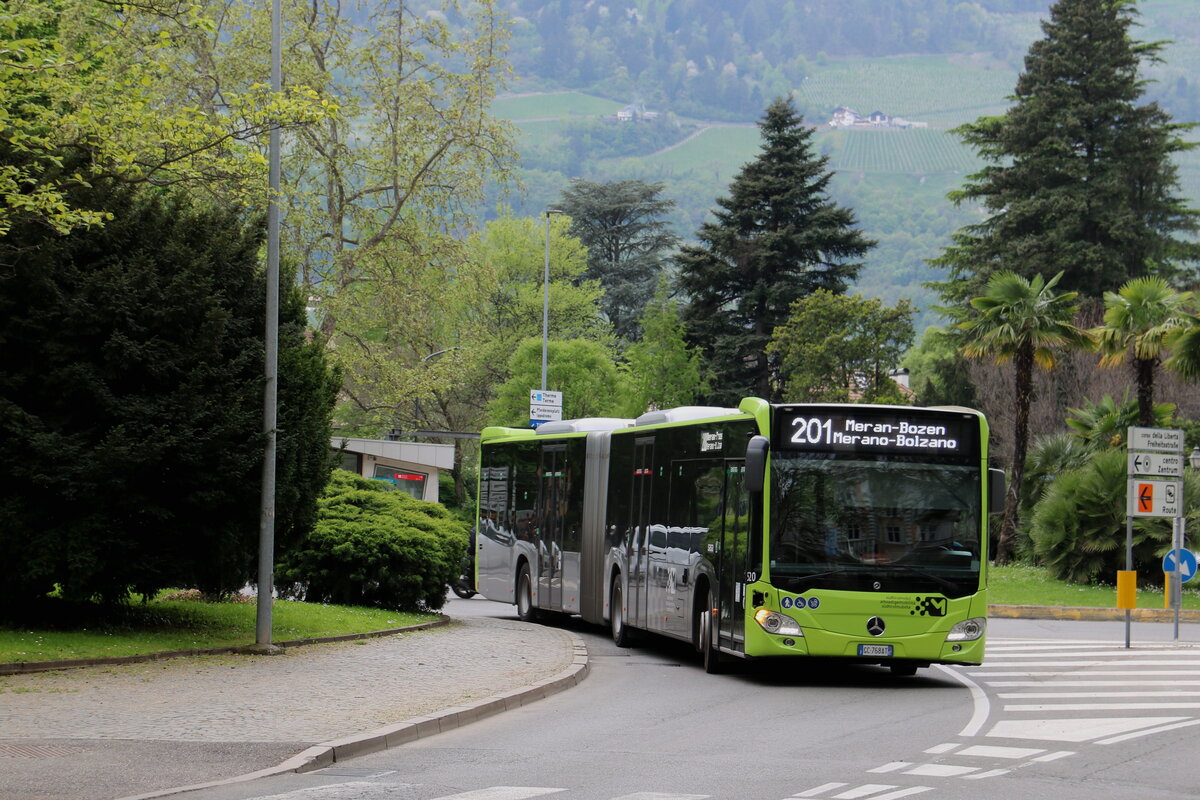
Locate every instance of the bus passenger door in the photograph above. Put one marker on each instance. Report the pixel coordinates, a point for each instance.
(550, 542)
(735, 558)
(640, 496)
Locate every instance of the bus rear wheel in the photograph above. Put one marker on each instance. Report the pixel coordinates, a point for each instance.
(525, 610)
(621, 635)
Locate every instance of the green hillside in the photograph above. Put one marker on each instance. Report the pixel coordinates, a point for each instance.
(895, 179)
(942, 91)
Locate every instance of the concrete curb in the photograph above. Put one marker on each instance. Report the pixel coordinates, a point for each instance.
(1091, 614)
(327, 753)
(24, 667)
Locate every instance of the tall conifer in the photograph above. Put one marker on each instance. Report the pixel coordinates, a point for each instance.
(777, 237)
(1081, 179)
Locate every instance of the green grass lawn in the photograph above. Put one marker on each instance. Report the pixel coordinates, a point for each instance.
(188, 624)
(1018, 585)
(178, 624)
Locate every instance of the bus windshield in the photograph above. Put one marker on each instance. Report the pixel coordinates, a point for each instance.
(889, 525)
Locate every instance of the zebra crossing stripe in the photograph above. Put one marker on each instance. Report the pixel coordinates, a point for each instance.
(1075, 729)
(502, 793)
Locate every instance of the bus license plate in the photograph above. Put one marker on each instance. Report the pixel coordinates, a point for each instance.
(875, 650)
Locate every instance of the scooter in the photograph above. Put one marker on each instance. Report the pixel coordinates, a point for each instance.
(464, 584)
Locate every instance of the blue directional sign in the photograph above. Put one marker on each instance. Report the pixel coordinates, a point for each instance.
(1186, 560)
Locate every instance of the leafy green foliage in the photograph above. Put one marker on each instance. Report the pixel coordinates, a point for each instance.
(131, 402)
(1026, 322)
(1078, 529)
(663, 371)
(104, 81)
(937, 371)
(584, 371)
(1140, 322)
(377, 547)
(837, 349)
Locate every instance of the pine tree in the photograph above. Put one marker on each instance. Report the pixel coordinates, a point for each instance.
(1081, 178)
(777, 237)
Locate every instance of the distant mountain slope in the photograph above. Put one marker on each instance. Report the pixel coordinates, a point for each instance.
(896, 180)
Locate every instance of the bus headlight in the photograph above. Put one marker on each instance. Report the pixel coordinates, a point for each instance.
(968, 630)
(774, 622)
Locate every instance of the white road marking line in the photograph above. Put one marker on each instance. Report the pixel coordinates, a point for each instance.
(979, 699)
(941, 770)
(1127, 736)
(661, 796)
(995, 751)
(817, 791)
(1097, 672)
(991, 773)
(1074, 684)
(1068, 695)
(896, 795)
(1074, 729)
(1092, 653)
(1055, 756)
(1040, 707)
(989, 665)
(502, 793)
(943, 748)
(892, 766)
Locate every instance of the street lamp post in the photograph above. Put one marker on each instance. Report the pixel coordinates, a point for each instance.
(546, 297)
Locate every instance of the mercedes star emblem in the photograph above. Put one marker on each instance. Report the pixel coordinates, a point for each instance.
(876, 626)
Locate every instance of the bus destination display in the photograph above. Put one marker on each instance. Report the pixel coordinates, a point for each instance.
(873, 431)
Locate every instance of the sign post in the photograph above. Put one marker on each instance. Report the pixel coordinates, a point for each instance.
(1154, 489)
(544, 406)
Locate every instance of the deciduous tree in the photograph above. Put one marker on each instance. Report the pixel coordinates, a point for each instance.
(839, 348)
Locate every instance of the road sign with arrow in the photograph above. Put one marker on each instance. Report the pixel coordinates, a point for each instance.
(1155, 498)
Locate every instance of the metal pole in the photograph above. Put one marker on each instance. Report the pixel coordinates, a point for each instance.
(1128, 566)
(1177, 581)
(546, 298)
(266, 530)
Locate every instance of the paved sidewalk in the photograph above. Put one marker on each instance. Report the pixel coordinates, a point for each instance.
(117, 731)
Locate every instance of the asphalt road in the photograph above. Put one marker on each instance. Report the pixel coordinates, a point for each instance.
(1060, 710)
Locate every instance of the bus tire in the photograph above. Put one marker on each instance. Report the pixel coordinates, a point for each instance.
(714, 662)
(525, 610)
(903, 670)
(622, 636)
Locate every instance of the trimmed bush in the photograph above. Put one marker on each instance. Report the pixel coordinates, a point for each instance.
(1078, 527)
(375, 546)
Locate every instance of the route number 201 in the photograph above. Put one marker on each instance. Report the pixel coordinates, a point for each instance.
(812, 430)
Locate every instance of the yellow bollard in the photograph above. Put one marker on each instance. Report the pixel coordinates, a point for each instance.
(1127, 589)
(1166, 590)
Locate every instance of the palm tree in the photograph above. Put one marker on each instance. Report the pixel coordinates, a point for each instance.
(1023, 321)
(1142, 320)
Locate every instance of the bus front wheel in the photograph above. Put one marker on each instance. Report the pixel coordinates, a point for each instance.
(713, 661)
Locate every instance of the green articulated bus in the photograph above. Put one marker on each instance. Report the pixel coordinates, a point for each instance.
(767, 531)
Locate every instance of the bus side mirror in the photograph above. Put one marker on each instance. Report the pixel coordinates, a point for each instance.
(995, 491)
(756, 463)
